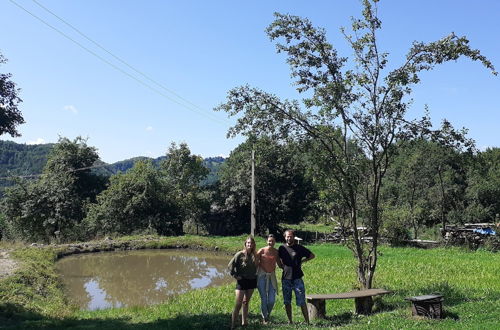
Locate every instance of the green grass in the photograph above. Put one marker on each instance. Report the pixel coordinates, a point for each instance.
(32, 298)
(312, 227)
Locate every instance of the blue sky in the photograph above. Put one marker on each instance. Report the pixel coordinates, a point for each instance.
(201, 49)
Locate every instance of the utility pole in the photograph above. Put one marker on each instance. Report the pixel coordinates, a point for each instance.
(252, 202)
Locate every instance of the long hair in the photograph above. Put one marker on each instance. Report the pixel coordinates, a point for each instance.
(251, 254)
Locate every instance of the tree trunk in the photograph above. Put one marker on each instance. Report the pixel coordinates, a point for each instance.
(441, 184)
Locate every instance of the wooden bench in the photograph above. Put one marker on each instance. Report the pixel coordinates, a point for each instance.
(362, 301)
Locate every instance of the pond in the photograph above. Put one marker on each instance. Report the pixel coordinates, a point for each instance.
(138, 278)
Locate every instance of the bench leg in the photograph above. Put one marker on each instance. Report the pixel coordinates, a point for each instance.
(363, 305)
(316, 308)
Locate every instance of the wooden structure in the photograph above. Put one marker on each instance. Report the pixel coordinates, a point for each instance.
(362, 300)
(429, 306)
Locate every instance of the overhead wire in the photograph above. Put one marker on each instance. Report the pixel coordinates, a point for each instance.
(28, 176)
(116, 57)
(212, 118)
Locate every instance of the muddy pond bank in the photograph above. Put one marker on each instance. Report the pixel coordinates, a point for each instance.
(108, 244)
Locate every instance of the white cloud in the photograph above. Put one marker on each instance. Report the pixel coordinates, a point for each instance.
(37, 141)
(149, 128)
(71, 108)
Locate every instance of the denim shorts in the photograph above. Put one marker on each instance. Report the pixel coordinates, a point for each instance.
(296, 285)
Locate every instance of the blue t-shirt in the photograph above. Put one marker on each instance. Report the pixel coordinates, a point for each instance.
(292, 256)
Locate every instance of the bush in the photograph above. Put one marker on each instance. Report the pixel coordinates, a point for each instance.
(394, 228)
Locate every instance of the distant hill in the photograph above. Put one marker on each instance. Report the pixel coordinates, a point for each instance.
(213, 164)
(123, 165)
(22, 159)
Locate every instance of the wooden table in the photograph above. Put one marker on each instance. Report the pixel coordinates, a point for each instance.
(362, 300)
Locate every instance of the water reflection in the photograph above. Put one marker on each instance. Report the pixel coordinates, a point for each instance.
(138, 278)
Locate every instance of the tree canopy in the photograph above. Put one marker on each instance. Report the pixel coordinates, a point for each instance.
(53, 206)
(10, 115)
(365, 100)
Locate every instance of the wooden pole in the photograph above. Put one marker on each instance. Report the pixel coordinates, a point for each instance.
(252, 203)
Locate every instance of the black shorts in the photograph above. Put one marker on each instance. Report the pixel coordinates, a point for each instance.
(246, 284)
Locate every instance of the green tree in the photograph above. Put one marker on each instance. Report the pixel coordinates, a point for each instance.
(363, 103)
(139, 200)
(483, 190)
(330, 206)
(10, 115)
(426, 184)
(406, 186)
(52, 207)
(184, 174)
(283, 193)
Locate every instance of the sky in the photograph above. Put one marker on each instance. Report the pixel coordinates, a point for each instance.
(136, 75)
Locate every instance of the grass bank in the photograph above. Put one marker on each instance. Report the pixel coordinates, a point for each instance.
(33, 297)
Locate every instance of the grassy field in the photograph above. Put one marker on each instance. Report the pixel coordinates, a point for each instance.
(312, 227)
(33, 297)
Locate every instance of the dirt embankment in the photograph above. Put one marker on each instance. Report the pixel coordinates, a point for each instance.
(7, 264)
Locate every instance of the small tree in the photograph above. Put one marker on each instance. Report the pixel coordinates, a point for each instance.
(10, 115)
(364, 103)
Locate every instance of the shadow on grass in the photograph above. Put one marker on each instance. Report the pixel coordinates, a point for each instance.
(380, 305)
(16, 318)
(450, 315)
(13, 316)
(452, 296)
(340, 319)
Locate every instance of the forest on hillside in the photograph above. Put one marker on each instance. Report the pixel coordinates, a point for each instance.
(25, 160)
(428, 185)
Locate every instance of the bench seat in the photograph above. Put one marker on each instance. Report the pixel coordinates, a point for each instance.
(362, 300)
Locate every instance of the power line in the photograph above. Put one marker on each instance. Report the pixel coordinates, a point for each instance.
(218, 120)
(29, 176)
(116, 57)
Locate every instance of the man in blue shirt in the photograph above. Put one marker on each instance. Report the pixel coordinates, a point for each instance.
(292, 256)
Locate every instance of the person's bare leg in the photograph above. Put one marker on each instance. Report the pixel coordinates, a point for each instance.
(237, 306)
(305, 312)
(288, 309)
(246, 302)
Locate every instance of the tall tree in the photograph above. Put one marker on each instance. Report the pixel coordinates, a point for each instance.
(363, 103)
(426, 183)
(137, 200)
(283, 192)
(483, 190)
(184, 173)
(10, 115)
(53, 206)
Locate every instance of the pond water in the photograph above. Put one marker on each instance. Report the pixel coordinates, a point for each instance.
(138, 278)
